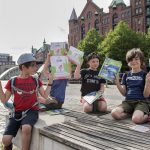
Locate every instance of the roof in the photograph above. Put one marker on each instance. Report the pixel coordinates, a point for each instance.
(114, 3)
(73, 15)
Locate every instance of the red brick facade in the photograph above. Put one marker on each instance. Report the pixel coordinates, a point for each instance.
(137, 15)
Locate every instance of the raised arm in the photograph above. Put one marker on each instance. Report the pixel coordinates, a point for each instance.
(46, 65)
(147, 86)
(4, 97)
(77, 74)
(121, 88)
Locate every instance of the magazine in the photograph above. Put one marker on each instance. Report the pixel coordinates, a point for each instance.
(60, 67)
(58, 49)
(140, 128)
(93, 96)
(75, 55)
(110, 69)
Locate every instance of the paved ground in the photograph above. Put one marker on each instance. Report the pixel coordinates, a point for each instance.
(72, 101)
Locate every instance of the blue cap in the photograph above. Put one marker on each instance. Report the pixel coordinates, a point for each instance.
(26, 57)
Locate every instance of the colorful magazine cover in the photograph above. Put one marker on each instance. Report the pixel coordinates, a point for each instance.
(110, 69)
(75, 55)
(93, 96)
(58, 48)
(60, 67)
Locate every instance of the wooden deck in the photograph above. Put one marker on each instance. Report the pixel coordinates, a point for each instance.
(89, 132)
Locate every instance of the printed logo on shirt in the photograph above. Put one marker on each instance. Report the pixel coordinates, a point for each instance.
(135, 78)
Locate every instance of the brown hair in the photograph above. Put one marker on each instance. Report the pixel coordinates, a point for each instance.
(27, 64)
(92, 56)
(133, 53)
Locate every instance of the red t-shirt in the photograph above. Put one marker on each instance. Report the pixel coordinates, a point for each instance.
(24, 101)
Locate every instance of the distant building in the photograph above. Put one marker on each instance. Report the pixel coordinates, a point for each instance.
(6, 62)
(137, 16)
(42, 52)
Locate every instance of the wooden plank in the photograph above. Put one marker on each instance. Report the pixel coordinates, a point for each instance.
(96, 133)
(110, 137)
(88, 139)
(68, 139)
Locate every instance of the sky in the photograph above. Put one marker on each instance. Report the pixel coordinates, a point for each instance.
(24, 23)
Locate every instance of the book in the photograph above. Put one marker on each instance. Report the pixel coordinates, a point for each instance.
(58, 49)
(58, 111)
(110, 69)
(93, 96)
(60, 67)
(140, 128)
(75, 55)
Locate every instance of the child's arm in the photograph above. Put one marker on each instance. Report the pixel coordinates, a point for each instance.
(121, 88)
(45, 93)
(147, 86)
(102, 88)
(77, 74)
(4, 97)
(46, 65)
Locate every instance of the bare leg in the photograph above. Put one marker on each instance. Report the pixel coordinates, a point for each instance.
(102, 106)
(139, 117)
(118, 113)
(87, 108)
(7, 141)
(26, 137)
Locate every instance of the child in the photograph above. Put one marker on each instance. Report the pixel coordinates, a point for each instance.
(58, 88)
(91, 83)
(132, 88)
(25, 102)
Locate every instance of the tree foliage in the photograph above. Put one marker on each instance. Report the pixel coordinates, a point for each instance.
(90, 43)
(118, 42)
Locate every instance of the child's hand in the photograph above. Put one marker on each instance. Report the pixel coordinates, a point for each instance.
(116, 79)
(148, 78)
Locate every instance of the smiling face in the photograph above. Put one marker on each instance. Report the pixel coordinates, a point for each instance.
(135, 59)
(93, 63)
(135, 63)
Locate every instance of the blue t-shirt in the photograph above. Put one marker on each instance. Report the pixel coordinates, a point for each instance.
(58, 89)
(134, 83)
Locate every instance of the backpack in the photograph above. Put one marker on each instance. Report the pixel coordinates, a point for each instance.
(13, 89)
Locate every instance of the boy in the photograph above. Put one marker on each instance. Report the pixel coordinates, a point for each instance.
(25, 102)
(91, 83)
(58, 88)
(132, 88)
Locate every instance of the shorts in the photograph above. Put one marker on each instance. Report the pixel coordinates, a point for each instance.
(13, 125)
(130, 106)
(100, 99)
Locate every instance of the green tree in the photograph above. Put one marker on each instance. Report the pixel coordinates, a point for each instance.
(118, 42)
(90, 43)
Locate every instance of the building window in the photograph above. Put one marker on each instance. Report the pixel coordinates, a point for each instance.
(148, 11)
(147, 2)
(139, 2)
(89, 15)
(96, 25)
(136, 11)
(136, 2)
(139, 21)
(82, 31)
(89, 26)
(148, 21)
(115, 18)
(140, 10)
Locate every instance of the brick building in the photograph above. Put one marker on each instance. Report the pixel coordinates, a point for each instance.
(137, 15)
(6, 62)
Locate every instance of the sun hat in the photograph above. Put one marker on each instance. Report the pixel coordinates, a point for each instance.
(26, 57)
